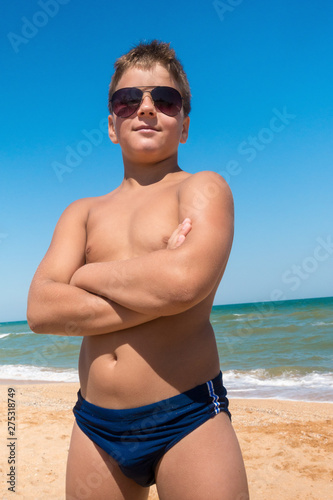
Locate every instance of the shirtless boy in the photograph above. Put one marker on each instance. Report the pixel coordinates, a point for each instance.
(135, 272)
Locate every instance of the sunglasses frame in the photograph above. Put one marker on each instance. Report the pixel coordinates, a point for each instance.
(144, 91)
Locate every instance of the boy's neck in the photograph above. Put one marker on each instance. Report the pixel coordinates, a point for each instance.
(148, 173)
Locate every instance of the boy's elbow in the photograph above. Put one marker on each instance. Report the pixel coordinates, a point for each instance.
(34, 322)
(33, 312)
(37, 320)
(34, 326)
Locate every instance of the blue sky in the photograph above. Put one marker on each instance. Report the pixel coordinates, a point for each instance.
(261, 80)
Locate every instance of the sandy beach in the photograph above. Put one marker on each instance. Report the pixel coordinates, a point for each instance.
(287, 446)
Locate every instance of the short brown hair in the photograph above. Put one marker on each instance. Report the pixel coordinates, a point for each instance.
(146, 55)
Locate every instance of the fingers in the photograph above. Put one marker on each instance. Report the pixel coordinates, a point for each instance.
(186, 226)
(179, 234)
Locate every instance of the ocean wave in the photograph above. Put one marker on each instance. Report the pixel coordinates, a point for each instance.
(260, 383)
(37, 373)
(14, 334)
(321, 323)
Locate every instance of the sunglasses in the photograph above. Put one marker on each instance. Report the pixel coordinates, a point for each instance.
(127, 101)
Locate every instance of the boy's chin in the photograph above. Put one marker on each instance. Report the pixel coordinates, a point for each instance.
(149, 156)
(151, 152)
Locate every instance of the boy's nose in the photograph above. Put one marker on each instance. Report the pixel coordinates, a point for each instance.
(147, 106)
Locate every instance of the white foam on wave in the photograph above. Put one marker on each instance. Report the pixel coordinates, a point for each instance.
(321, 323)
(40, 373)
(313, 386)
(14, 333)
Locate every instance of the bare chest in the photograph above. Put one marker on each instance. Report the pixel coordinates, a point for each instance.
(124, 226)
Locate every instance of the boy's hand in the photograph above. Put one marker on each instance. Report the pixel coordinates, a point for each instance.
(179, 234)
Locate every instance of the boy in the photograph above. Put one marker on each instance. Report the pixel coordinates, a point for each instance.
(135, 273)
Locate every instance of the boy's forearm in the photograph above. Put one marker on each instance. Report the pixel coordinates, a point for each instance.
(171, 280)
(62, 309)
(156, 283)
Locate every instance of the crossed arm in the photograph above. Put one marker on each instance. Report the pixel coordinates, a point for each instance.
(115, 295)
(57, 307)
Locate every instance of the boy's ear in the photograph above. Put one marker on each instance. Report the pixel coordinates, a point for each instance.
(112, 132)
(184, 135)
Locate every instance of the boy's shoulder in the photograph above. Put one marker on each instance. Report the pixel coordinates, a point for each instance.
(90, 201)
(205, 192)
(205, 181)
(82, 206)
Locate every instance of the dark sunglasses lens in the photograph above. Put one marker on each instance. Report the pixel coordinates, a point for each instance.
(167, 100)
(126, 101)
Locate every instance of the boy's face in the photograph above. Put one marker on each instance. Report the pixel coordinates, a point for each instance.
(148, 135)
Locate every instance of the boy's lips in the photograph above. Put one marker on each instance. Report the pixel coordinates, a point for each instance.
(145, 127)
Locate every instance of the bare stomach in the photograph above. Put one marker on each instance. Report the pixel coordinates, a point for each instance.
(148, 363)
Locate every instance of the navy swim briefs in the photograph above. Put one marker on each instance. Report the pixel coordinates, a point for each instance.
(137, 438)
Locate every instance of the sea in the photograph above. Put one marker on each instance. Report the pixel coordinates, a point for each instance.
(274, 350)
